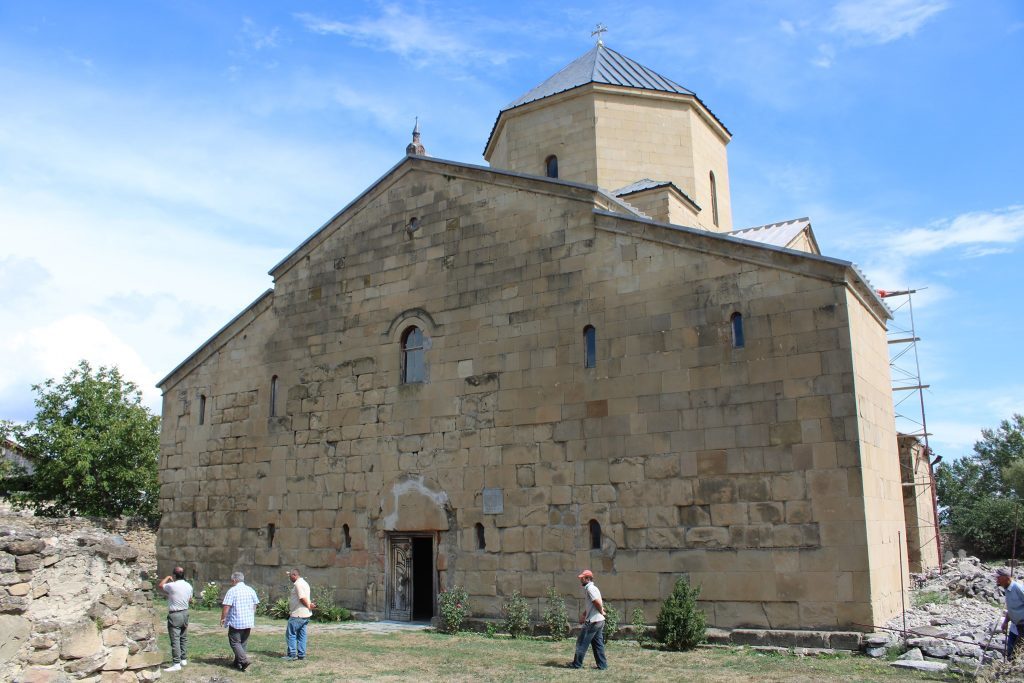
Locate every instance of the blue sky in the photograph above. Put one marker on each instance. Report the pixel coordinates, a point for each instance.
(157, 158)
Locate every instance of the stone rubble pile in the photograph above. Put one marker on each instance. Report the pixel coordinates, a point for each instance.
(959, 607)
(74, 607)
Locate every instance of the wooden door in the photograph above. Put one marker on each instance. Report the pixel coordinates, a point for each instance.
(398, 576)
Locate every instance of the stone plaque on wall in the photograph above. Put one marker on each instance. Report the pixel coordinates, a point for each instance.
(494, 502)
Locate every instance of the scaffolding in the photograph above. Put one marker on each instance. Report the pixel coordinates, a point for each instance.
(908, 402)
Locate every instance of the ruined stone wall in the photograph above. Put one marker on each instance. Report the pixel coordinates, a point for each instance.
(918, 505)
(74, 607)
(736, 466)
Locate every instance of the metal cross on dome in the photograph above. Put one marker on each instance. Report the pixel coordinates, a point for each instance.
(598, 30)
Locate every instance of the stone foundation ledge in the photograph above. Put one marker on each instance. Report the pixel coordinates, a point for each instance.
(787, 638)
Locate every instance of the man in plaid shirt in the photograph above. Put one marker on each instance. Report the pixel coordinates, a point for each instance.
(239, 615)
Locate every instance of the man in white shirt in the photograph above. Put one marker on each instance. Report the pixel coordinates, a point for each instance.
(179, 594)
(591, 624)
(300, 609)
(238, 613)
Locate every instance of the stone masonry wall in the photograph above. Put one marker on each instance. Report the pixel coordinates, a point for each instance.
(739, 467)
(73, 607)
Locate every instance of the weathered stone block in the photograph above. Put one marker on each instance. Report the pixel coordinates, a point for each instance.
(81, 639)
(117, 659)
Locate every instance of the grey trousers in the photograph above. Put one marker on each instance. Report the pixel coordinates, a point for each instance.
(237, 638)
(177, 630)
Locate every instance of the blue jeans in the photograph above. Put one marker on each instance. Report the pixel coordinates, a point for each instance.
(1011, 644)
(296, 637)
(591, 635)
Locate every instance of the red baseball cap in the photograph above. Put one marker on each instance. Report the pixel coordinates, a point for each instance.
(586, 574)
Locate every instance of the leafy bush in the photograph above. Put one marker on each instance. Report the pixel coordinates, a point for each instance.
(639, 625)
(278, 609)
(611, 621)
(453, 605)
(263, 605)
(517, 615)
(327, 609)
(680, 624)
(555, 615)
(209, 598)
(492, 630)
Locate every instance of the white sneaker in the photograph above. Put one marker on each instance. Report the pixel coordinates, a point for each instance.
(176, 667)
(183, 662)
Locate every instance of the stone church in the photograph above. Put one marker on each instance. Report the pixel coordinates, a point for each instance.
(496, 376)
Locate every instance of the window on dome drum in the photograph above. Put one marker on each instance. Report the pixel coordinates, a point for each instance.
(551, 166)
(589, 347)
(202, 409)
(481, 542)
(347, 536)
(414, 368)
(273, 396)
(595, 535)
(714, 199)
(737, 331)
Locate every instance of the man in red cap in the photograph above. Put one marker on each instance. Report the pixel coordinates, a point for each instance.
(591, 625)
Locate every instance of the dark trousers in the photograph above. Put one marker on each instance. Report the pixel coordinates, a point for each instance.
(591, 635)
(177, 631)
(237, 638)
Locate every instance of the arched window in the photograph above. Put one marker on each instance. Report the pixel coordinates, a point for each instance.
(414, 369)
(589, 347)
(481, 542)
(273, 396)
(714, 199)
(737, 330)
(551, 166)
(346, 536)
(202, 408)
(595, 535)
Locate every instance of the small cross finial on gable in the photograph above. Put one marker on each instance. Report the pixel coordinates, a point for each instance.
(598, 30)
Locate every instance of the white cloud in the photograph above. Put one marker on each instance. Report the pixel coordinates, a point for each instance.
(825, 57)
(258, 38)
(975, 232)
(787, 27)
(414, 37)
(883, 21)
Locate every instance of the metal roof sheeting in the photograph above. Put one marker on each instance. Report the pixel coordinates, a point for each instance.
(775, 234)
(601, 65)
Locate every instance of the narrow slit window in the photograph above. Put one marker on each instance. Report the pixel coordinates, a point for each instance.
(414, 369)
(273, 396)
(347, 536)
(714, 199)
(737, 331)
(202, 409)
(481, 542)
(595, 535)
(589, 347)
(271, 531)
(551, 166)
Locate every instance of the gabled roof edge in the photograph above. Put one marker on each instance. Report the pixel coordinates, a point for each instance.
(202, 347)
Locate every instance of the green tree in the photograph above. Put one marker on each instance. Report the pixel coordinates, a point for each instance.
(981, 494)
(92, 446)
(681, 625)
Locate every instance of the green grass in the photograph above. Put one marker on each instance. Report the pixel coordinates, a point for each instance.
(922, 598)
(350, 655)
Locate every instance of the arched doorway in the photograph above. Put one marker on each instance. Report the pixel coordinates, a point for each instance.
(414, 517)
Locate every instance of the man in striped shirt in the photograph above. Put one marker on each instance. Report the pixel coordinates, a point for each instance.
(238, 613)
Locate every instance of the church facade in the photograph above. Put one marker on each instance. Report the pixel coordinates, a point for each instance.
(495, 376)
